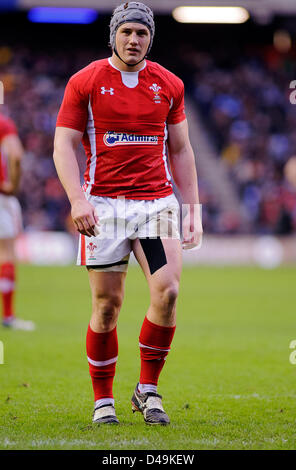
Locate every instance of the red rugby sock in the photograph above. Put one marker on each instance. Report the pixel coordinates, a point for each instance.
(7, 286)
(155, 342)
(102, 352)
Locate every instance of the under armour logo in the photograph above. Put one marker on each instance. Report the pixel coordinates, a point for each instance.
(104, 90)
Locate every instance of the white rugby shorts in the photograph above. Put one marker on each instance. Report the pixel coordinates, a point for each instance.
(121, 221)
(10, 217)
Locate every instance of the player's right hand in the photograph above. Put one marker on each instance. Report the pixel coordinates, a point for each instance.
(84, 217)
(6, 187)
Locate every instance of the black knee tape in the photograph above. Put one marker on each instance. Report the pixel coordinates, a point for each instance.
(154, 252)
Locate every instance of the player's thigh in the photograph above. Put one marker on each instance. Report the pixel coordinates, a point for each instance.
(7, 253)
(168, 275)
(107, 286)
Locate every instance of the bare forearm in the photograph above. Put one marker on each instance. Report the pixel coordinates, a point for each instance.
(14, 172)
(183, 169)
(12, 147)
(184, 173)
(16, 175)
(185, 176)
(68, 171)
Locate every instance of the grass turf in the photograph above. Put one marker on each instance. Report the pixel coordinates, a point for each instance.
(227, 383)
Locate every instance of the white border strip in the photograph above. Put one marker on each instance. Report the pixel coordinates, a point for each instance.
(102, 363)
(164, 157)
(91, 131)
(149, 347)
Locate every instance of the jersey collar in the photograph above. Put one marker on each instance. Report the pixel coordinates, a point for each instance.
(110, 62)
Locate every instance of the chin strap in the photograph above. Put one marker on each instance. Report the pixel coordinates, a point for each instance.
(129, 65)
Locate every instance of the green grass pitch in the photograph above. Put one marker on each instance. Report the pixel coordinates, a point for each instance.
(227, 384)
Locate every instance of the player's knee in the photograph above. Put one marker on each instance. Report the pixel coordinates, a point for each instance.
(170, 295)
(167, 297)
(107, 308)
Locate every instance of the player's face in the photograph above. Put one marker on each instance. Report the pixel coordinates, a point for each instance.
(132, 42)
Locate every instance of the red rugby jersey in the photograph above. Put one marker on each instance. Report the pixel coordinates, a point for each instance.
(124, 117)
(7, 127)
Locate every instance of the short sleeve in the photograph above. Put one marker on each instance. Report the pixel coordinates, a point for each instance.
(177, 110)
(7, 127)
(73, 112)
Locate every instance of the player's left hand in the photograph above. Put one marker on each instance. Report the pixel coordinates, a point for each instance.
(192, 230)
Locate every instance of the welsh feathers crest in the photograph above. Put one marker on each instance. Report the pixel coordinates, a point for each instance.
(155, 88)
(91, 247)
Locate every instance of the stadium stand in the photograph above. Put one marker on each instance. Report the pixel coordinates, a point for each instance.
(34, 84)
(246, 107)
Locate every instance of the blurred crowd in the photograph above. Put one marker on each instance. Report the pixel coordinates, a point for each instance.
(246, 108)
(34, 84)
(245, 104)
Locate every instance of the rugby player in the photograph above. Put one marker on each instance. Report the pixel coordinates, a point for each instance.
(126, 110)
(11, 152)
